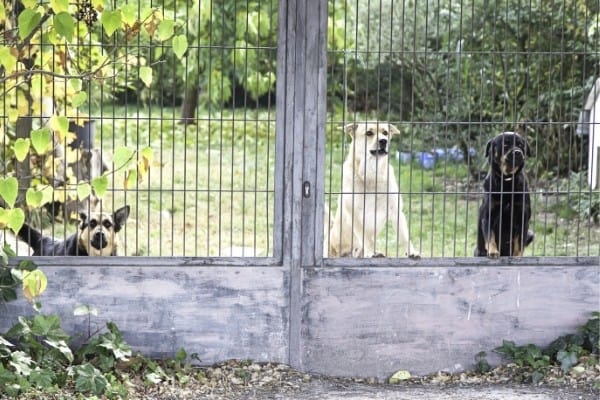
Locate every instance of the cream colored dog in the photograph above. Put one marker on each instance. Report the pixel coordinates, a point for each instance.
(370, 195)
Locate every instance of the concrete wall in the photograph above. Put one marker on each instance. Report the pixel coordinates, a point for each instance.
(423, 316)
(373, 321)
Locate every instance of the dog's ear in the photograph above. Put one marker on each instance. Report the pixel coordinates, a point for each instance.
(120, 216)
(488, 147)
(393, 129)
(83, 218)
(351, 128)
(527, 148)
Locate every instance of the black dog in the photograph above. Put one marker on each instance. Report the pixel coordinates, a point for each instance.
(503, 227)
(96, 236)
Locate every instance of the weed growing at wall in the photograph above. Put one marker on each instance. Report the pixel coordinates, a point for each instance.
(566, 351)
(35, 356)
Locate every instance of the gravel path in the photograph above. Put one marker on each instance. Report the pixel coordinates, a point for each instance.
(245, 380)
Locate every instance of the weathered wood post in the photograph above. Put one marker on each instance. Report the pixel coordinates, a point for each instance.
(301, 113)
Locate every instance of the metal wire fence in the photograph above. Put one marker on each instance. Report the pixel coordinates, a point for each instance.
(199, 131)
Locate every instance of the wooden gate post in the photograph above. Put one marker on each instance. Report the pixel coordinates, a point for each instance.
(300, 149)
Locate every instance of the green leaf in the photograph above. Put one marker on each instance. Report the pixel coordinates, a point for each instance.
(40, 139)
(21, 362)
(42, 378)
(62, 347)
(148, 154)
(129, 13)
(16, 217)
(47, 192)
(79, 99)
(83, 190)
(48, 326)
(85, 310)
(59, 5)
(111, 21)
(146, 75)
(567, 359)
(181, 355)
(28, 20)
(166, 29)
(89, 380)
(21, 148)
(180, 45)
(9, 189)
(27, 265)
(76, 84)
(34, 198)
(7, 59)
(64, 25)
(100, 184)
(122, 157)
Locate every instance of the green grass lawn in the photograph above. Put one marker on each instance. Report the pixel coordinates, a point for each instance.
(210, 191)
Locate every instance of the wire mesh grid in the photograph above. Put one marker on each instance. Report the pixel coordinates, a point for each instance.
(449, 76)
(178, 105)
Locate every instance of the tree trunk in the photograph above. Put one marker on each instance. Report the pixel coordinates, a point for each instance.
(189, 105)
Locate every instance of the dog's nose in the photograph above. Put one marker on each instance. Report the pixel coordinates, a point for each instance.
(382, 143)
(517, 157)
(99, 240)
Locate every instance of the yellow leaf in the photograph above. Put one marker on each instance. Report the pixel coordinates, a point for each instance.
(130, 179)
(8, 60)
(13, 115)
(37, 87)
(34, 284)
(71, 155)
(59, 195)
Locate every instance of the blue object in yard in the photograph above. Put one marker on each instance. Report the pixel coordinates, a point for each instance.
(440, 154)
(404, 157)
(453, 154)
(426, 160)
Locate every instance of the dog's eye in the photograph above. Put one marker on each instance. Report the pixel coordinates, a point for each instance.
(385, 133)
(370, 133)
(107, 224)
(93, 223)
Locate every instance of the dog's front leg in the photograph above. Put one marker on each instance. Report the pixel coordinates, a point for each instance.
(360, 240)
(491, 245)
(401, 227)
(517, 246)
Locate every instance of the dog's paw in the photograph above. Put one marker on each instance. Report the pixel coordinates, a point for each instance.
(414, 256)
(494, 254)
(378, 255)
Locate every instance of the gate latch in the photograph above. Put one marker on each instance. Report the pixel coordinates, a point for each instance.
(306, 189)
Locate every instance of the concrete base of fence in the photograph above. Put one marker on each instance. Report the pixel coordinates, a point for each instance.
(424, 317)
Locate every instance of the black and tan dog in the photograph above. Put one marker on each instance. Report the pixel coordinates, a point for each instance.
(96, 236)
(503, 226)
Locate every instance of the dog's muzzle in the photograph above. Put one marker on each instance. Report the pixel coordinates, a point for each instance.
(512, 161)
(99, 240)
(382, 148)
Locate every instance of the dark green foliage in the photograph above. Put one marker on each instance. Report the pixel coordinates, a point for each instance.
(564, 351)
(35, 355)
(485, 68)
(482, 365)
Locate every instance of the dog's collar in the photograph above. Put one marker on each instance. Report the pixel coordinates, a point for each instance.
(506, 178)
